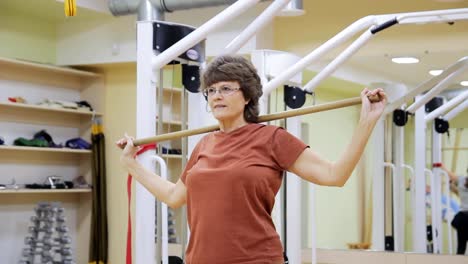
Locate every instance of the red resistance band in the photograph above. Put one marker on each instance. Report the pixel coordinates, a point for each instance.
(437, 165)
(143, 149)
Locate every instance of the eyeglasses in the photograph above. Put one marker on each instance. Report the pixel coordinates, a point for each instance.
(224, 90)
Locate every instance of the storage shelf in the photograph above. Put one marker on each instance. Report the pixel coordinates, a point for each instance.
(39, 149)
(45, 191)
(49, 68)
(34, 108)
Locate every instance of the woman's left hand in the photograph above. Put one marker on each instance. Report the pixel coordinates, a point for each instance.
(371, 111)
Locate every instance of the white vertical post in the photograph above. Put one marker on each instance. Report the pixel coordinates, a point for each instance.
(436, 190)
(394, 204)
(164, 214)
(448, 213)
(399, 189)
(146, 126)
(378, 190)
(419, 213)
(313, 228)
(293, 203)
(259, 60)
(433, 196)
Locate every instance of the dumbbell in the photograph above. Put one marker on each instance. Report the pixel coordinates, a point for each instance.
(36, 219)
(60, 218)
(46, 229)
(63, 239)
(27, 252)
(38, 242)
(67, 251)
(62, 229)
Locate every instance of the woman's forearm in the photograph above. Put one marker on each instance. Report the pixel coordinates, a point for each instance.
(160, 188)
(344, 166)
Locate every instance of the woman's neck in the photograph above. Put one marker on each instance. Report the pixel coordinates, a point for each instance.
(228, 126)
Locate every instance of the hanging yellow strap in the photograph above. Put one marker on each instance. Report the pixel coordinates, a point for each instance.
(96, 127)
(70, 7)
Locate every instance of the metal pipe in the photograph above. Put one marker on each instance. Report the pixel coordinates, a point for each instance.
(447, 209)
(447, 15)
(447, 106)
(337, 40)
(419, 201)
(127, 7)
(455, 111)
(332, 66)
(394, 205)
(200, 33)
(123, 7)
(173, 5)
(261, 21)
(437, 89)
(294, 8)
(435, 233)
(147, 11)
(163, 217)
(460, 64)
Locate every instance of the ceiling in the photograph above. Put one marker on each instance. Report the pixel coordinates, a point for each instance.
(436, 45)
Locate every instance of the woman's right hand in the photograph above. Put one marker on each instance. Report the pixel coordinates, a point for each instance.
(129, 150)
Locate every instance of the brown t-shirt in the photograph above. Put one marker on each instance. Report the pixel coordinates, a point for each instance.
(231, 180)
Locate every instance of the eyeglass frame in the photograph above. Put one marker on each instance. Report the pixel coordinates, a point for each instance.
(229, 92)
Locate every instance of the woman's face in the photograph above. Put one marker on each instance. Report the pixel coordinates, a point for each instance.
(226, 101)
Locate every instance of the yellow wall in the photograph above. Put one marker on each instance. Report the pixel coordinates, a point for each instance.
(120, 115)
(23, 37)
(120, 118)
(329, 134)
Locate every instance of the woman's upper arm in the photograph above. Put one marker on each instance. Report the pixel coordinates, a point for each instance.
(311, 167)
(179, 194)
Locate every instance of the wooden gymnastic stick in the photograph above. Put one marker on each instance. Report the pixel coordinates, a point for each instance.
(261, 119)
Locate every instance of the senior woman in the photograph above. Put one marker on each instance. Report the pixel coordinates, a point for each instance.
(231, 179)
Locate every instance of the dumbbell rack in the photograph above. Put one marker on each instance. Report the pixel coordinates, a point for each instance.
(48, 241)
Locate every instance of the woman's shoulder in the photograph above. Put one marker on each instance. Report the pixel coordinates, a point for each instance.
(266, 127)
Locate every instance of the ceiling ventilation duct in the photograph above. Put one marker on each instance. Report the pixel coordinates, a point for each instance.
(127, 7)
(294, 8)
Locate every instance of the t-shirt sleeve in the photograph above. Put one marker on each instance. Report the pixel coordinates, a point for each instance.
(193, 159)
(286, 148)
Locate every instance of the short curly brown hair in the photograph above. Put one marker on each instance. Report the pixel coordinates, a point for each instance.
(236, 68)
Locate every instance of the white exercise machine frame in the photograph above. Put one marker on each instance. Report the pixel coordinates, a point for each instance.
(145, 81)
(149, 66)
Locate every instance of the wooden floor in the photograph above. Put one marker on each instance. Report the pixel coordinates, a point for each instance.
(328, 256)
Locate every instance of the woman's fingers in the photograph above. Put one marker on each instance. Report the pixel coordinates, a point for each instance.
(364, 92)
(375, 95)
(126, 140)
(121, 143)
